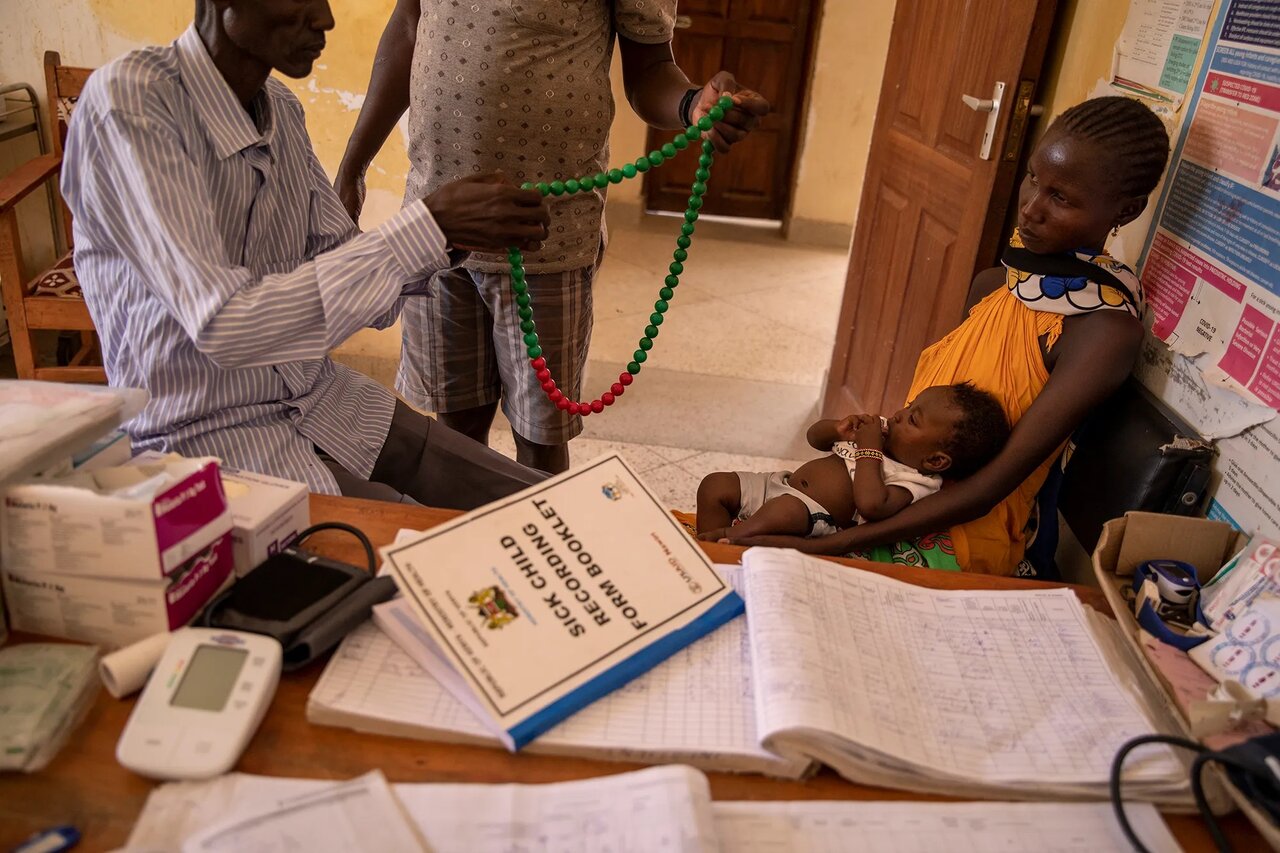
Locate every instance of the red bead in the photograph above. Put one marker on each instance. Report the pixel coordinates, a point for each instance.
(549, 386)
(563, 404)
(597, 405)
(607, 398)
(617, 389)
(625, 378)
(555, 396)
(584, 409)
(543, 374)
(538, 363)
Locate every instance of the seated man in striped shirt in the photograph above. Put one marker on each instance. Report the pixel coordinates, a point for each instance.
(220, 267)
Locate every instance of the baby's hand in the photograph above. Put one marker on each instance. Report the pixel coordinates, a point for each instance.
(714, 535)
(847, 428)
(870, 434)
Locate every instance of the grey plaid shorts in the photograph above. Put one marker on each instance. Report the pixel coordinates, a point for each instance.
(462, 347)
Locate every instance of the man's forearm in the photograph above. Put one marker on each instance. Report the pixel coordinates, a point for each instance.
(654, 83)
(388, 95)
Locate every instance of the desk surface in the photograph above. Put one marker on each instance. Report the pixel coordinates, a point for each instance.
(85, 787)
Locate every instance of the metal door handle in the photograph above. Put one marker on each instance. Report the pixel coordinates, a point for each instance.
(683, 22)
(992, 109)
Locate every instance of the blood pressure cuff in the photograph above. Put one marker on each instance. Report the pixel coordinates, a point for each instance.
(306, 602)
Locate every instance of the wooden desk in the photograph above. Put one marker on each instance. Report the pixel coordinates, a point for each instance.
(85, 787)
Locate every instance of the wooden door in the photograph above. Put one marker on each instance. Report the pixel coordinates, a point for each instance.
(932, 210)
(766, 44)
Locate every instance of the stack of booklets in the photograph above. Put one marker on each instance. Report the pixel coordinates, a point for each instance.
(998, 694)
(659, 809)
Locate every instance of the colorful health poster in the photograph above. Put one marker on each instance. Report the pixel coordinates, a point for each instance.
(1212, 263)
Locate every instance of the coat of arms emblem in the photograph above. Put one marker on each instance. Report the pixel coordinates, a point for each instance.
(493, 607)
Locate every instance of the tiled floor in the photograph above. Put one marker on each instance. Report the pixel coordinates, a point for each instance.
(734, 378)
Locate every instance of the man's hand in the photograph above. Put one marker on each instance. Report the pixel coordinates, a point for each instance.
(870, 433)
(747, 110)
(487, 213)
(350, 192)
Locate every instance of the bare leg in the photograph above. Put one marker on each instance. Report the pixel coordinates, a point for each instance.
(552, 458)
(719, 500)
(785, 515)
(474, 423)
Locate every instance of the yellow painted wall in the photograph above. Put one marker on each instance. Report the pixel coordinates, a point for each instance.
(1080, 55)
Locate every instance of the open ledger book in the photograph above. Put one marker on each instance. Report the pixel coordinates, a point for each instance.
(1009, 694)
(659, 809)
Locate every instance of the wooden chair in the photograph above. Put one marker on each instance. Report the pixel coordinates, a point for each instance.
(52, 299)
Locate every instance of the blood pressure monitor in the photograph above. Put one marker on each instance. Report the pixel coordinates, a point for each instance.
(202, 704)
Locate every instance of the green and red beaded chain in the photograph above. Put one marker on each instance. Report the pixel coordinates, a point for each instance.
(586, 184)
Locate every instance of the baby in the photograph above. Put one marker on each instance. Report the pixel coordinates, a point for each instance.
(878, 467)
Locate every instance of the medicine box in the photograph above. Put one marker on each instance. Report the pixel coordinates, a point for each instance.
(115, 612)
(115, 522)
(266, 512)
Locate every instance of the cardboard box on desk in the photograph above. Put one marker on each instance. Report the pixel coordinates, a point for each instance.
(266, 512)
(1206, 545)
(114, 612)
(140, 522)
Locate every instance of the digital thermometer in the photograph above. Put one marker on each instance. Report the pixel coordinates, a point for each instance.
(201, 705)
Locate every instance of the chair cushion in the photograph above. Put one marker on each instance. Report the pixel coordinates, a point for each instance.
(59, 280)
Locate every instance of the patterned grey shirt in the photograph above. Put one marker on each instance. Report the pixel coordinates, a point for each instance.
(220, 267)
(523, 86)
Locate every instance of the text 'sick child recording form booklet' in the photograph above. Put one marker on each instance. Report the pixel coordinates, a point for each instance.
(545, 601)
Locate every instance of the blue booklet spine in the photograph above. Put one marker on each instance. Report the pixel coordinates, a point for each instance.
(727, 608)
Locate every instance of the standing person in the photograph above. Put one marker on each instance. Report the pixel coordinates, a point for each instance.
(220, 267)
(521, 86)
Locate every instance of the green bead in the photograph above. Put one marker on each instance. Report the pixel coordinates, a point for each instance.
(691, 216)
(646, 344)
(705, 123)
(650, 332)
(615, 176)
(523, 300)
(716, 113)
(526, 326)
(669, 150)
(544, 187)
(661, 306)
(671, 281)
(665, 293)
(519, 287)
(642, 164)
(705, 161)
(629, 170)
(633, 368)
(656, 319)
(681, 142)
(683, 242)
(708, 147)
(695, 203)
(692, 132)
(531, 339)
(526, 186)
(640, 355)
(557, 187)
(725, 102)
(676, 267)
(534, 351)
(687, 229)
(698, 188)
(601, 179)
(680, 255)
(571, 186)
(656, 158)
(513, 255)
(702, 175)
(524, 313)
(517, 270)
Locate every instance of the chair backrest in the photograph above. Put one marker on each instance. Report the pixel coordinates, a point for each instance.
(63, 85)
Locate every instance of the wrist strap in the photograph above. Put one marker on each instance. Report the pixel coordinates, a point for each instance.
(686, 106)
(868, 453)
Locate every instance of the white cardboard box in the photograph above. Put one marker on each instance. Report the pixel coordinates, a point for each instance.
(266, 512)
(114, 612)
(108, 523)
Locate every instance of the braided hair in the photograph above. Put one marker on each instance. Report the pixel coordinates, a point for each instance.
(1132, 134)
(980, 432)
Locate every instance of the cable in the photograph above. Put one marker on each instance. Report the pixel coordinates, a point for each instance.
(338, 525)
(1117, 803)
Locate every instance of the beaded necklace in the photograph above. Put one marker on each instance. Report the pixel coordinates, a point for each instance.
(587, 183)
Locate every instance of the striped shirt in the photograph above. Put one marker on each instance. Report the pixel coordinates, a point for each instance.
(220, 267)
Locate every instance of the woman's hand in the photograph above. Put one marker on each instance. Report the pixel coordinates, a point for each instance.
(831, 545)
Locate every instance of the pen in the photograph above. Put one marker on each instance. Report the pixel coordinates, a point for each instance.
(50, 840)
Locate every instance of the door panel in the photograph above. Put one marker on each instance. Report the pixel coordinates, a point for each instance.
(931, 207)
(765, 43)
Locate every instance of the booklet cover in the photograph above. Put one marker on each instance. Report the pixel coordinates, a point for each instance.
(547, 600)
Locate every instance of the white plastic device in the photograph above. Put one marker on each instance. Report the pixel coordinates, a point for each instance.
(201, 705)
